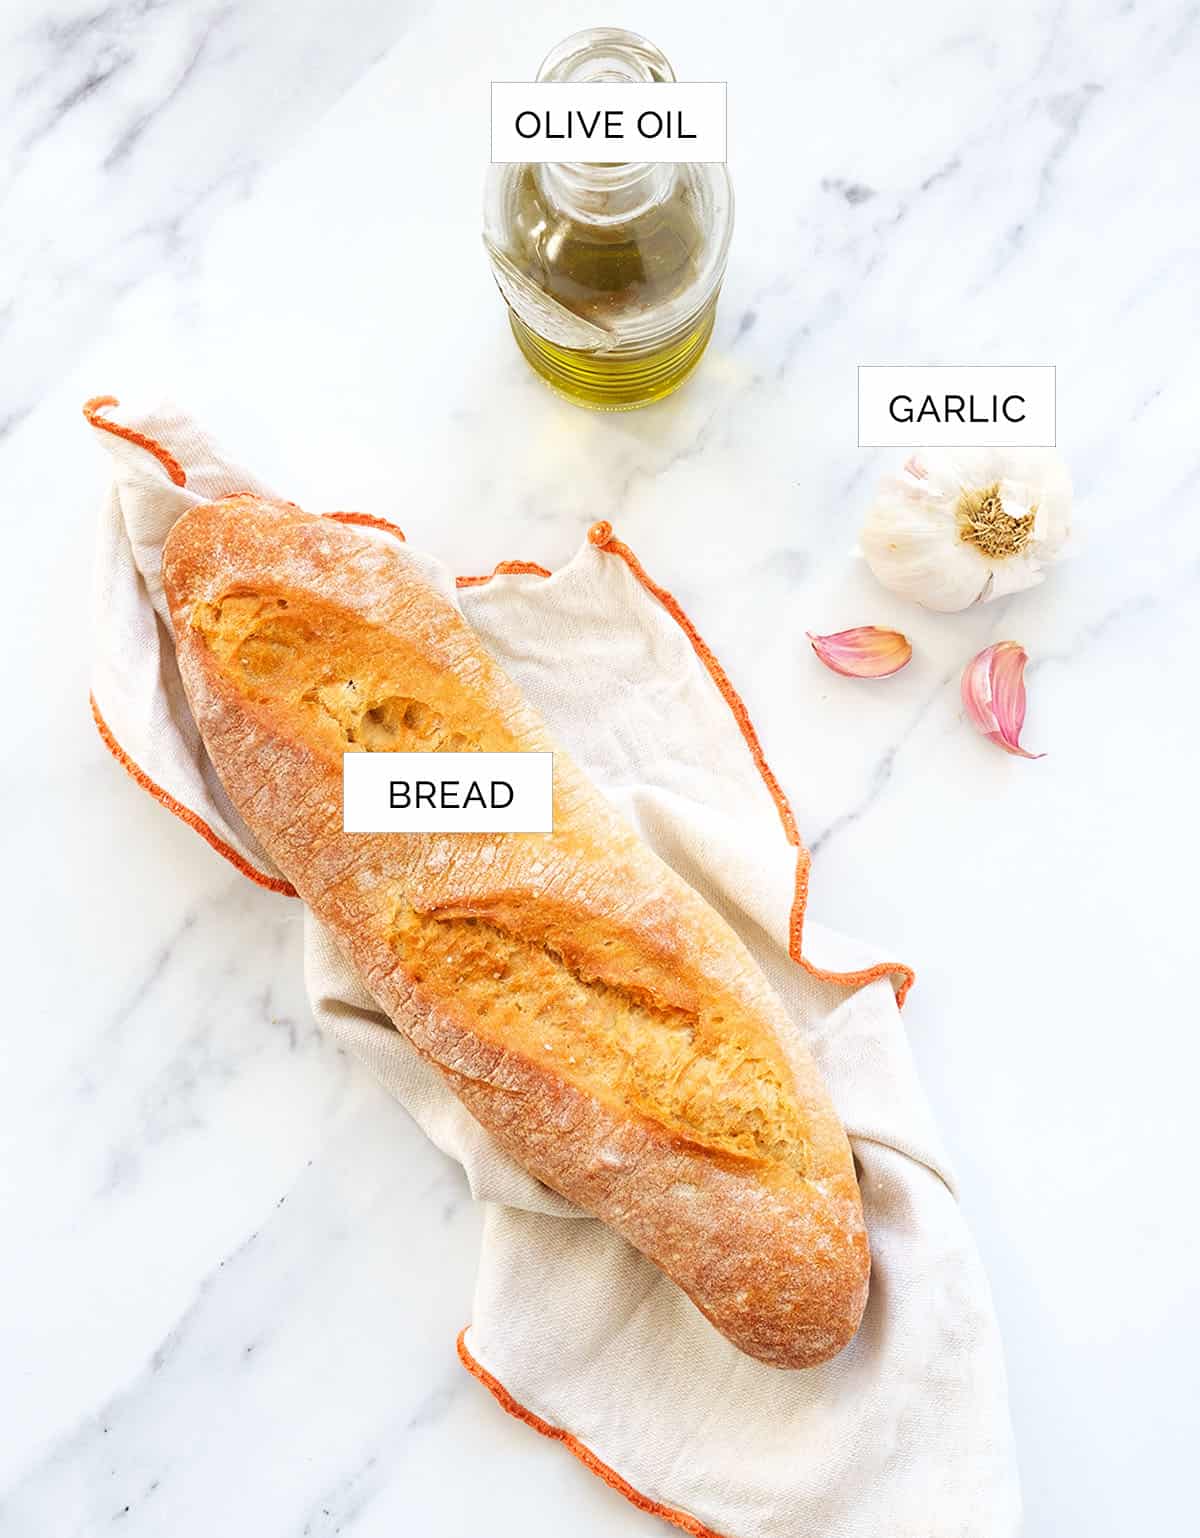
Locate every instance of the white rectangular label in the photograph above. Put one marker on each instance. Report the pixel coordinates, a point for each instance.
(605, 122)
(987, 407)
(448, 792)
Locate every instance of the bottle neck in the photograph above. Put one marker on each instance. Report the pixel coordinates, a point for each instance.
(605, 194)
(599, 194)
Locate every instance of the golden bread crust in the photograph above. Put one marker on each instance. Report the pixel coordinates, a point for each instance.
(590, 1009)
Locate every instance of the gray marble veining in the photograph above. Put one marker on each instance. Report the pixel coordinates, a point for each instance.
(233, 1270)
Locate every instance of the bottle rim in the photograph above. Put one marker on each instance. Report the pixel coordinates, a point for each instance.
(591, 54)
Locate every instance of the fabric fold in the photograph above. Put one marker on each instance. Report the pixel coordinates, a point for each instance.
(906, 1432)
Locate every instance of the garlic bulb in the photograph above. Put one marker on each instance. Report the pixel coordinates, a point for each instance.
(956, 527)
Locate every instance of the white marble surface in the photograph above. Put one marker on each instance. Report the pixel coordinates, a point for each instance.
(233, 1271)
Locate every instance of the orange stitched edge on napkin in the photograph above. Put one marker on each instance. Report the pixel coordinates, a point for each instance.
(185, 814)
(92, 409)
(601, 535)
(585, 1455)
(505, 568)
(367, 521)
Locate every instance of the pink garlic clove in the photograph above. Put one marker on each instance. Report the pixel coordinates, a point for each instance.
(993, 693)
(866, 652)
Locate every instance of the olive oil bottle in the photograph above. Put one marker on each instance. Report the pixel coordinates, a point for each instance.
(610, 272)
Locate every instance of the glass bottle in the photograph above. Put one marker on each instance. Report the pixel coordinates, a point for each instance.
(610, 272)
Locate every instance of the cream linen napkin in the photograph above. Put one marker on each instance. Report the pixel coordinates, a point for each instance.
(906, 1433)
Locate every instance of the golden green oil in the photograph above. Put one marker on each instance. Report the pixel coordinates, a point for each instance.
(608, 274)
(617, 381)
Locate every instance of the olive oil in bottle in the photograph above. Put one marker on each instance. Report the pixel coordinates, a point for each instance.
(610, 272)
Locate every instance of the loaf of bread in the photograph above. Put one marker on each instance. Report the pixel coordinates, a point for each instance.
(591, 1011)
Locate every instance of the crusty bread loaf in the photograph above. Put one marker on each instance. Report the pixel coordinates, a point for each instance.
(595, 1014)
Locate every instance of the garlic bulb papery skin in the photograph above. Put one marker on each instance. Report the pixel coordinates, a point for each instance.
(956, 527)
